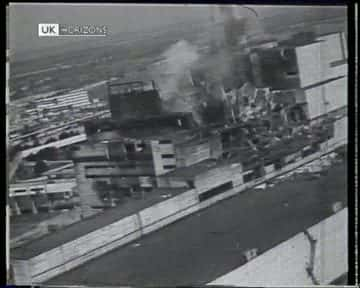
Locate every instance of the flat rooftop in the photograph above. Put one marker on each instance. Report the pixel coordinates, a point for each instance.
(201, 247)
(242, 156)
(21, 224)
(158, 134)
(192, 171)
(78, 229)
(178, 135)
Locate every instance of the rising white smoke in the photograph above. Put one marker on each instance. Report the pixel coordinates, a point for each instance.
(179, 58)
(172, 76)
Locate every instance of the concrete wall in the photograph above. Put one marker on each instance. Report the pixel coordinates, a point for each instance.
(217, 176)
(96, 243)
(192, 153)
(331, 257)
(314, 60)
(158, 150)
(74, 253)
(164, 213)
(22, 272)
(206, 180)
(170, 182)
(321, 61)
(334, 93)
(341, 128)
(286, 263)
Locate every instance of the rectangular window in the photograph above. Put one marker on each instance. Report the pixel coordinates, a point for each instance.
(216, 191)
(37, 189)
(169, 166)
(165, 142)
(291, 74)
(20, 191)
(115, 175)
(141, 145)
(99, 166)
(167, 156)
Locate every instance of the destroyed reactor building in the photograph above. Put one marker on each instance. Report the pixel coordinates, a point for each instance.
(274, 108)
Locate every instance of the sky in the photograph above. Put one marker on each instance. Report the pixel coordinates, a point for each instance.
(25, 17)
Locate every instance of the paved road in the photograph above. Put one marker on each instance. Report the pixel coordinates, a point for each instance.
(206, 245)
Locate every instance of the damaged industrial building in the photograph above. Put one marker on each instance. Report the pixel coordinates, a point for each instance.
(235, 115)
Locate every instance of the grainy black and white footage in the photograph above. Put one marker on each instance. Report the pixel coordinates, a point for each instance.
(190, 145)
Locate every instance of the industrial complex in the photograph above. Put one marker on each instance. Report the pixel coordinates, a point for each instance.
(251, 165)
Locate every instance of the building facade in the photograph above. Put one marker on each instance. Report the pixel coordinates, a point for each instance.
(133, 100)
(323, 74)
(55, 188)
(135, 163)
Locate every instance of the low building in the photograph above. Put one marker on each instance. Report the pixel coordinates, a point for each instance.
(76, 98)
(56, 143)
(55, 188)
(205, 176)
(131, 156)
(134, 162)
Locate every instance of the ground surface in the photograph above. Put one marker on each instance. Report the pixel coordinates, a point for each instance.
(208, 244)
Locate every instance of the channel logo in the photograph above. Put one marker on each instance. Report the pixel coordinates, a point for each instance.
(56, 30)
(48, 30)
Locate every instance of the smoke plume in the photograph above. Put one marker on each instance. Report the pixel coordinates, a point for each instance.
(240, 22)
(173, 76)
